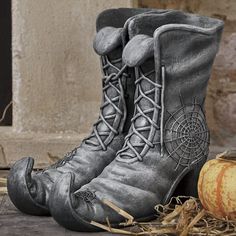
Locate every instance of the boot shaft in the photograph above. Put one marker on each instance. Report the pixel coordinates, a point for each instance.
(118, 17)
(118, 81)
(179, 50)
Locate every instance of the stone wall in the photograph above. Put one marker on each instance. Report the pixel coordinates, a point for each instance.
(56, 77)
(56, 74)
(221, 99)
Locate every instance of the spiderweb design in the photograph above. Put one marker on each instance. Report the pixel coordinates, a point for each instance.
(86, 195)
(186, 135)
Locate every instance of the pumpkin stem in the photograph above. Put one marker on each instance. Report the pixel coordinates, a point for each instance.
(228, 155)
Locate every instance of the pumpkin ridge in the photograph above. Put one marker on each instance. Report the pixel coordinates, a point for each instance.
(210, 165)
(219, 181)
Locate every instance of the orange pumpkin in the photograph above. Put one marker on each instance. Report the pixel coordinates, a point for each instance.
(217, 185)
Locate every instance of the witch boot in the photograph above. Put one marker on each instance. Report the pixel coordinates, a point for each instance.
(29, 191)
(168, 139)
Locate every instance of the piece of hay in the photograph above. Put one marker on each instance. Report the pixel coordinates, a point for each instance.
(3, 190)
(53, 158)
(120, 212)
(3, 181)
(181, 216)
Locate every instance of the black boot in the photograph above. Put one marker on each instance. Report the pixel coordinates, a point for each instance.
(168, 139)
(29, 191)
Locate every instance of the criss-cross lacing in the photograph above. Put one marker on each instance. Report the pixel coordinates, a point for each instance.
(110, 80)
(131, 150)
(117, 102)
(61, 162)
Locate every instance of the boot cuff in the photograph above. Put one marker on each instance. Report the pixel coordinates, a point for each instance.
(107, 39)
(138, 50)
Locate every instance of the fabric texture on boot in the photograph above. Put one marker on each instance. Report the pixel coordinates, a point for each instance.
(168, 139)
(29, 191)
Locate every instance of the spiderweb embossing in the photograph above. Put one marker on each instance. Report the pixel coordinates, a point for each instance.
(87, 195)
(186, 135)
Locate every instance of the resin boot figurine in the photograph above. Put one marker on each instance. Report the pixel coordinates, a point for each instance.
(29, 190)
(168, 139)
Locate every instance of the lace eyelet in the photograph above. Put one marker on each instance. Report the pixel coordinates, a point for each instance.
(139, 111)
(110, 80)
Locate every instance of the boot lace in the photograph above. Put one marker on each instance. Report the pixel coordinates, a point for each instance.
(110, 80)
(103, 138)
(66, 158)
(133, 150)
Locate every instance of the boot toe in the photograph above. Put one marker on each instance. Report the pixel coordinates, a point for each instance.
(20, 186)
(75, 211)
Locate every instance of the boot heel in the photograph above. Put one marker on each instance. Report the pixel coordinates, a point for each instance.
(188, 185)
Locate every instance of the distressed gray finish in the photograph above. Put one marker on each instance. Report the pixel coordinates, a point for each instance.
(29, 191)
(168, 139)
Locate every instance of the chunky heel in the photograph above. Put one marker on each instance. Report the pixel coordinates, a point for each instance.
(188, 185)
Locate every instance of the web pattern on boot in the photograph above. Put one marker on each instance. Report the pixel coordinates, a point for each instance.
(86, 195)
(186, 134)
(129, 152)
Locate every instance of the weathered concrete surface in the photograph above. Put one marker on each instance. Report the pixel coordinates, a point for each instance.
(56, 75)
(45, 148)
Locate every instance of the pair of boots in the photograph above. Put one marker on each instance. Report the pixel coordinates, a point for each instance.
(151, 138)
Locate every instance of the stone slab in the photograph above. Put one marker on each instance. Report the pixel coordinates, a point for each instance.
(45, 148)
(56, 73)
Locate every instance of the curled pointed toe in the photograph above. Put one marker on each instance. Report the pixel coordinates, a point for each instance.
(22, 189)
(62, 204)
(76, 210)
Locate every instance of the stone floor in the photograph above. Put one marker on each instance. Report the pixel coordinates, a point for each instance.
(15, 223)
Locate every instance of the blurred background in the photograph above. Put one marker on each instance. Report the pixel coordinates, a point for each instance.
(50, 80)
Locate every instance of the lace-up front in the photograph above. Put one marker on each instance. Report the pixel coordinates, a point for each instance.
(113, 109)
(63, 161)
(144, 121)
